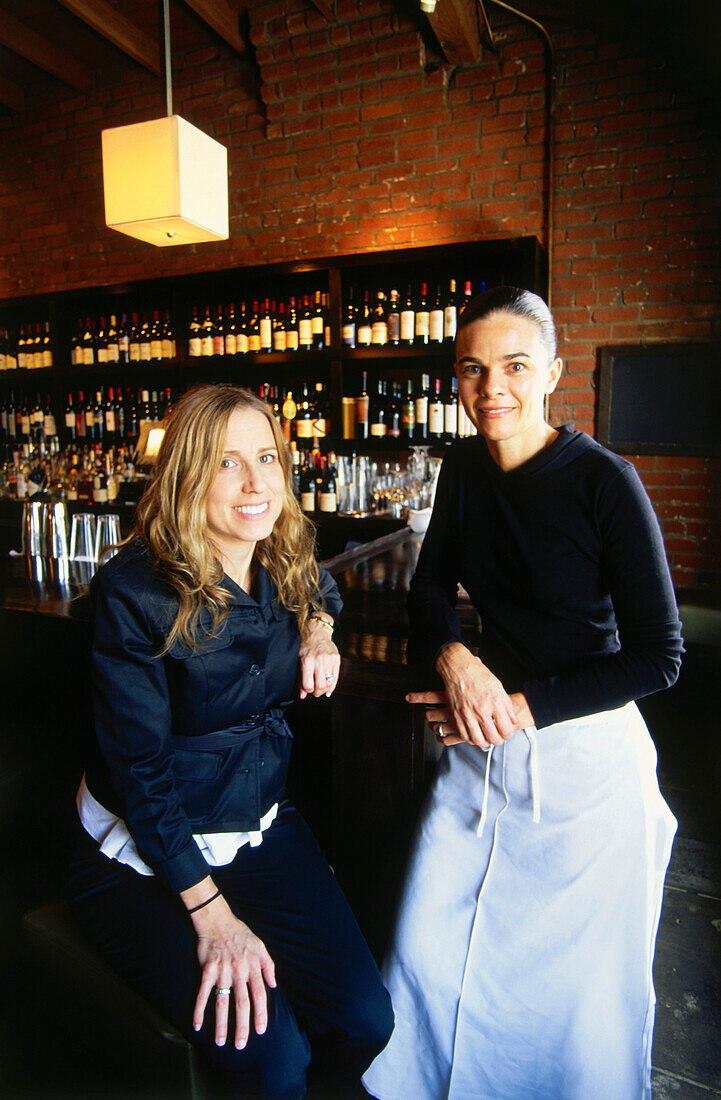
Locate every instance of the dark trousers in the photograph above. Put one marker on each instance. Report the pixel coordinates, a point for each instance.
(330, 1007)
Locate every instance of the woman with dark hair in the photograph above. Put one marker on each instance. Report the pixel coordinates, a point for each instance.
(193, 875)
(520, 966)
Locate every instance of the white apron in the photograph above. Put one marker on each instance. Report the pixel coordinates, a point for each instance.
(520, 966)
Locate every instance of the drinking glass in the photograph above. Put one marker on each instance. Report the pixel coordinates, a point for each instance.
(82, 537)
(107, 535)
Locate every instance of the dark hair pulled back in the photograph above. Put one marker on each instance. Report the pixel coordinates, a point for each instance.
(520, 303)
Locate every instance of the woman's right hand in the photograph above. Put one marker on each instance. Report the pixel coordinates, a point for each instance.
(231, 957)
(478, 707)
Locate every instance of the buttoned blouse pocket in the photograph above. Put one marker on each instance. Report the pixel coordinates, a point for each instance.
(220, 784)
(198, 674)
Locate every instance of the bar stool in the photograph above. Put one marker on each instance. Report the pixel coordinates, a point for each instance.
(56, 943)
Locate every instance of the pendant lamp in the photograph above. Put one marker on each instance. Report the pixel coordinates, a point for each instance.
(165, 181)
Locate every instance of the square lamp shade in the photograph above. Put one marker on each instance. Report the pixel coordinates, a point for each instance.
(165, 182)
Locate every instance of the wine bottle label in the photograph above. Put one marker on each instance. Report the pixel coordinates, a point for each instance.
(422, 324)
(421, 410)
(408, 323)
(327, 502)
(378, 429)
(166, 348)
(69, 419)
(134, 349)
(49, 425)
(241, 342)
(408, 417)
(317, 326)
(22, 359)
(88, 357)
(110, 421)
(304, 429)
(47, 357)
(291, 339)
(320, 427)
(349, 335)
(254, 341)
(450, 418)
(156, 349)
(305, 332)
(394, 327)
(361, 409)
(113, 353)
(206, 345)
(25, 425)
(435, 419)
(436, 326)
(279, 341)
(379, 333)
(102, 355)
(365, 335)
(194, 345)
(266, 334)
(307, 500)
(449, 322)
(145, 355)
(231, 343)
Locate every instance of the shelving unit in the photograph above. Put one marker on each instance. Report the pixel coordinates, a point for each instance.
(517, 261)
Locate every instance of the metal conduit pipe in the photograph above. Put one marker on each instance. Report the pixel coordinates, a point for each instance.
(550, 119)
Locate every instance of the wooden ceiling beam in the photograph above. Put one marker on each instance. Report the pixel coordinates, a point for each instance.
(223, 19)
(121, 32)
(11, 95)
(455, 25)
(43, 53)
(325, 7)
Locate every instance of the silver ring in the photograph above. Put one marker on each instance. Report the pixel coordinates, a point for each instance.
(329, 679)
(440, 730)
(223, 991)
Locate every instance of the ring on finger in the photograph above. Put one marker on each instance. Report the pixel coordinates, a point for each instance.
(329, 678)
(441, 732)
(223, 991)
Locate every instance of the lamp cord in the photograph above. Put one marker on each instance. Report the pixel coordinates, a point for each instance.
(168, 73)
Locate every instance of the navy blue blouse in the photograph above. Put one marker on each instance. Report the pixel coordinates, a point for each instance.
(194, 741)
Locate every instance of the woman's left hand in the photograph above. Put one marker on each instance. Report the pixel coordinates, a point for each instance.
(438, 714)
(319, 660)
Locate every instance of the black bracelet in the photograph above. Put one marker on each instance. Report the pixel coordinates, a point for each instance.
(204, 903)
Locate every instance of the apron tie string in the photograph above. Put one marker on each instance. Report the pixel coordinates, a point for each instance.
(484, 807)
(535, 777)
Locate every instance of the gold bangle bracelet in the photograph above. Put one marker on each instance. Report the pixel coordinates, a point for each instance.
(320, 619)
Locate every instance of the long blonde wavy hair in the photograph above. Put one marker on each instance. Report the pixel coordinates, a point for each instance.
(171, 517)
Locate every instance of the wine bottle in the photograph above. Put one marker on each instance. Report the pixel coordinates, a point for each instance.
(379, 328)
(364, 327)
(88, 344)
(218, 332)
(134, 340)
(305, 416)
(230, 346)
(327, 494)
(435, 326)
(361, 410)
(436, 414)
(377, 415)
(21, 353)
(291, 330)
(422, 410)
(110, 424)
(81, 424)
(145, 340)
(289, 410)
(101, 344)
(467, 295)
(393, 414)
(194, 350)
(206, 335)
(279, 331)
(408, 413)
(241, 340)
(168, 350)
(422, 329)
(318, 323)
(450, 313)
(70, 420)
(394, 319)
(408, 318)
(156, 337)
(47, 347)
(112, 349)
(349, 321)
(308, 487)
(450, 411)
(123, 340)
(254, 330)
(305, 326)
(265, 327)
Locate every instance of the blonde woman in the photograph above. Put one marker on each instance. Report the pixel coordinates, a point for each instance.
(192, 874)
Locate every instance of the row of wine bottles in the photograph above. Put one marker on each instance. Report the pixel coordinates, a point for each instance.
(300, 323)
(414, 319)
(31, 351)
(107, 418)
(410, 413)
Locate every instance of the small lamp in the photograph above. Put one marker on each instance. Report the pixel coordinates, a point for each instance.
(165, 181)
(149, 440)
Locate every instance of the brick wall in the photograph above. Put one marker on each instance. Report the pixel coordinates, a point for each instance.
(350, 137)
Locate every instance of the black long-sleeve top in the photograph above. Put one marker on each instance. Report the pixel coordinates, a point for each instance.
(564, 560)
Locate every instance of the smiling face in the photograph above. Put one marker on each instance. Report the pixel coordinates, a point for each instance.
(503, 378)
(246, 497)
